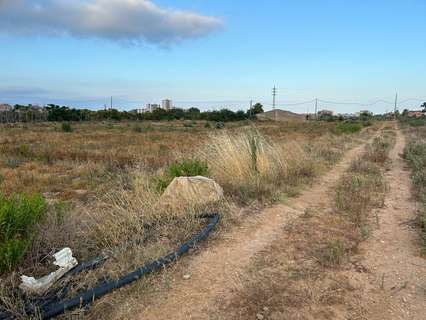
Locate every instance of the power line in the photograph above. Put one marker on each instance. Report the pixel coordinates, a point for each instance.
(356, 103)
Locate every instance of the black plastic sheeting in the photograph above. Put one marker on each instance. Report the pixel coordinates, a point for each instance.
(55, 308)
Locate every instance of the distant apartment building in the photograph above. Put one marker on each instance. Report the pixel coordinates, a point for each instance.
(151, 107)
(166, 104)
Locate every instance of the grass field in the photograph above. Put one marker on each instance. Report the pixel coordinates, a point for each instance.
(100, 183)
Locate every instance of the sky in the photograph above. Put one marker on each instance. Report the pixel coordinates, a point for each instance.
(349, 54)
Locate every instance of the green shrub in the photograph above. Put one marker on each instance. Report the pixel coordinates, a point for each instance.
(207, 125)
(185, 168)
(18, 216)
(24, 150)
(66, 127)
(414, 122)
(348, 127)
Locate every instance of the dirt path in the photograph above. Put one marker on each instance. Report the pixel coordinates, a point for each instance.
(395, 284)
(216, 269)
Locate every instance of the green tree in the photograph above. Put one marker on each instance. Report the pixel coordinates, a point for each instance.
(257, 108)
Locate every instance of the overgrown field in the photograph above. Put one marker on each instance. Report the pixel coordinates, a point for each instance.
(415, 155)
(94, 187)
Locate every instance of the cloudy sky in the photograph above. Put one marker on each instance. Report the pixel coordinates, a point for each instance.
(213, 53)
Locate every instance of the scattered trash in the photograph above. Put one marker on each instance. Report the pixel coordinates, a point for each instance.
(187, 276)
(64, 260)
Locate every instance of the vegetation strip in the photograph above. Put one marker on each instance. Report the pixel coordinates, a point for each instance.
(415, 156)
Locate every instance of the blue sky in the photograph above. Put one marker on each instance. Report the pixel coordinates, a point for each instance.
(213, 53)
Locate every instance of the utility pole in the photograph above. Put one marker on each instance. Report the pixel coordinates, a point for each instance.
(111, 102)
(274, 94)
(396, 103)
(316, 108)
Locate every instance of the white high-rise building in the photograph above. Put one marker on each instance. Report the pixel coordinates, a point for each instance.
(151, 107)
(167, 104)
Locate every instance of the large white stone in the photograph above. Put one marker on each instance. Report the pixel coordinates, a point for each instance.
(183, 191)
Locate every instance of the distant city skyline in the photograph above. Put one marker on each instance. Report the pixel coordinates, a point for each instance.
(213, 54)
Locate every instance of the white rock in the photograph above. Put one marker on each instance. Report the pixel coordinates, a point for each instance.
(198, 190)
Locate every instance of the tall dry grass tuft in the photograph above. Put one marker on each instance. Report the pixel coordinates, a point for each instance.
(363, 186)
(248, 165)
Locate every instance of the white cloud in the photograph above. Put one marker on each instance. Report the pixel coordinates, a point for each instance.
(129, 21)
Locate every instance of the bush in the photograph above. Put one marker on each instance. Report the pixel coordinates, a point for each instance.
(414, 122)
(18, 216)
(185, 168)
(348, 127)
(66, 127)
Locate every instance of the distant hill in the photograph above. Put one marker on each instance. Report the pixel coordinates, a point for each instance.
(281, 115)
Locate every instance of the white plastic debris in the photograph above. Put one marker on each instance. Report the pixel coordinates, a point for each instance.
(63, 259)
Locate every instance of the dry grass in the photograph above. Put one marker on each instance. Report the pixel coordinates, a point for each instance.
(415, 156)
(106, 174)
(251, 166)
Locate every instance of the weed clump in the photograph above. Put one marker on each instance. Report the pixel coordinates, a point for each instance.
(185, 168)
(378, 150)
(348, 127)
(18, 216)
(363, 186)
(66, 127)
(249, 166)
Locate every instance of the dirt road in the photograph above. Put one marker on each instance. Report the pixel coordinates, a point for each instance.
(215, 270)
(395, 283)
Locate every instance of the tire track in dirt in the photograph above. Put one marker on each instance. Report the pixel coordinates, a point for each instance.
(394, 286)
(215, 270)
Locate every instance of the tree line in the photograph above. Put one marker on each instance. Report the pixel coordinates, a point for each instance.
(64, 113)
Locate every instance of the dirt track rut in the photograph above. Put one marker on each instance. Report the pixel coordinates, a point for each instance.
(395, 283)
